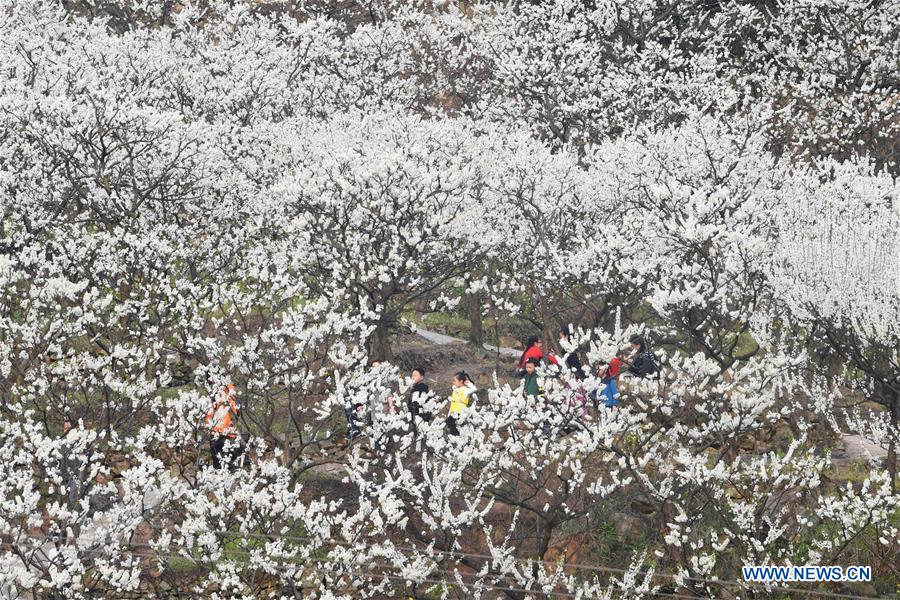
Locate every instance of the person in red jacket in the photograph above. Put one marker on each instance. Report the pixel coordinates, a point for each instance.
(534, 349)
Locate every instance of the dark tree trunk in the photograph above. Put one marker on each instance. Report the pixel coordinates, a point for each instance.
(892, 443)
(550, 341)
(380, 341)
(476, 330)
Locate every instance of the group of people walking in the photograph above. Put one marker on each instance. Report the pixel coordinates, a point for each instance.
(366, 412)
(639, 362)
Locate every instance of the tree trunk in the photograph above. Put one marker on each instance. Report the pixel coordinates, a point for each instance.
(476, 330)
(380, 341)
(892, 443)
(550, 341)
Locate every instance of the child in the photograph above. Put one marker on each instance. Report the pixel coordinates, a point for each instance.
(530, 382)
(419, 395)
(463, 395)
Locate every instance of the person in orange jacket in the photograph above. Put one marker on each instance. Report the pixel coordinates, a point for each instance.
(220, 420)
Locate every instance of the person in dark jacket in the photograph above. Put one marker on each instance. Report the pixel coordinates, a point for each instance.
(573, 362)
(577, 397)
(644, 362)
(419, 395)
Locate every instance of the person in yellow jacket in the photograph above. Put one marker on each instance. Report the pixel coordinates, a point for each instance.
(463, 395)
(220, 420)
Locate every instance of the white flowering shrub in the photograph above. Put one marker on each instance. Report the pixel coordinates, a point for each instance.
(263, 193)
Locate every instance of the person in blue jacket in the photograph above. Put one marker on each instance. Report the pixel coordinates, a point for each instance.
(608, 372)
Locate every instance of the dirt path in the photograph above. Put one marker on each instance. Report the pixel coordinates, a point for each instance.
(441, 339)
